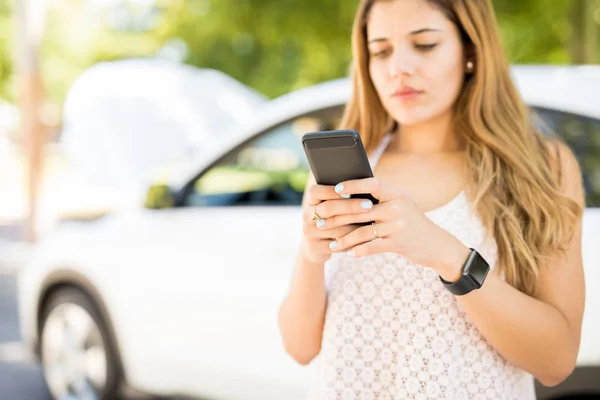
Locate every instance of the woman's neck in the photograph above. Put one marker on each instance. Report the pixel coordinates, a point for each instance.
(432, 137)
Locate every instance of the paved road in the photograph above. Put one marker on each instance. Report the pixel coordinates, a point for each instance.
(20, 376)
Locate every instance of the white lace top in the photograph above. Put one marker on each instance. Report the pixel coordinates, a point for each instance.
(393, 331)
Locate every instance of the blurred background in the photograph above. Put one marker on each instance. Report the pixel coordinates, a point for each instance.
(96, 96)
(273, 47)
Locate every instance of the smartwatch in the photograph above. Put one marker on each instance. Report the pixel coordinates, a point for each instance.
(474, 272)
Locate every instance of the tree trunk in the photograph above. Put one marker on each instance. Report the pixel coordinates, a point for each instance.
(584, 39)
(592, 30)
(30, 97)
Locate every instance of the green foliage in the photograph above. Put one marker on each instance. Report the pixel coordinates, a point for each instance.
(78, 36)
(6, 46)
(273, 46)
(535, 31)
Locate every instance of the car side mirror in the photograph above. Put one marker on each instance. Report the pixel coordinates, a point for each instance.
(159, 196)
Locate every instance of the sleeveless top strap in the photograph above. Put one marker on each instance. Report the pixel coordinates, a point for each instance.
(378, 152)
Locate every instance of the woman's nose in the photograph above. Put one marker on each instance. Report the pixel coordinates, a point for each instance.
(401, 63)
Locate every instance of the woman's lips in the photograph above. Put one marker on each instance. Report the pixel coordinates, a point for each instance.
(407, 94)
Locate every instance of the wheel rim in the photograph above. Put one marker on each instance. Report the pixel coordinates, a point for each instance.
(73, 354)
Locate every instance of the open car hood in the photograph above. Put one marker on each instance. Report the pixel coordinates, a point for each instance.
(123, 119)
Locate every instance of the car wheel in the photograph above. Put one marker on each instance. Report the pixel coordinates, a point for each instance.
(77, 354)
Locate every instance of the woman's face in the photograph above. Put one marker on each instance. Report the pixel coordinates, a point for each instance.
(417, 61)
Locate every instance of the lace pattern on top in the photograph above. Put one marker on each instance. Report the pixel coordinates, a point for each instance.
(393, 331)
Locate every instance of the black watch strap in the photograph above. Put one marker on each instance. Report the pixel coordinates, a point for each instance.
(474, 272)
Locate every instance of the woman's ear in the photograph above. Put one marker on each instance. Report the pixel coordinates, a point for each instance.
(470, 67)
(470, 64)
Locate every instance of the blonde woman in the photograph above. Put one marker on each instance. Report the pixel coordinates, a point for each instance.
(469, 284)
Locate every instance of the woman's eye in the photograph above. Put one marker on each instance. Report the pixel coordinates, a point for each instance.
(425, 47)
(380, 53)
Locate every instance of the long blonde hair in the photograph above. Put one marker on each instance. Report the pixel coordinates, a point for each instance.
(511, 183)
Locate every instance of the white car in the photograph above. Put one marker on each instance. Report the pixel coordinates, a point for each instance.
(169, 107)
(178, 294)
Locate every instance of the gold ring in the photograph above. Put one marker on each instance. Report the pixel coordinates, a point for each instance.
(374, 230)
(315, 215)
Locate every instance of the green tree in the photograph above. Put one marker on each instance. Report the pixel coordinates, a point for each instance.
(273, 46)
(79, 35)
(535, 31)
(277, 46)
(585, 40)
(6, 46)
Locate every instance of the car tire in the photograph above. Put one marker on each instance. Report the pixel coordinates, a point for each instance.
(83, 367)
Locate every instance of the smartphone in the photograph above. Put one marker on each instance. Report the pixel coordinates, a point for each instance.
(337, 156)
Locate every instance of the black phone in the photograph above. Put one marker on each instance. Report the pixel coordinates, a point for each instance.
(337, 156)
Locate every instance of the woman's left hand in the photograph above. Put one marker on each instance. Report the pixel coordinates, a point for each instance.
(401, 228)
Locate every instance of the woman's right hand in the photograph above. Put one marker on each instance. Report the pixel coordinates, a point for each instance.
(323, 203)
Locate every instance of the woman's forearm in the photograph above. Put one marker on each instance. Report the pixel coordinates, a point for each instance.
(302, 313)
(531, 334)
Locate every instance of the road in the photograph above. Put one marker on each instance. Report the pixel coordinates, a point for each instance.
(20, 375)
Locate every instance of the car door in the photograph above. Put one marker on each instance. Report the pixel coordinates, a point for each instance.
(228, 257)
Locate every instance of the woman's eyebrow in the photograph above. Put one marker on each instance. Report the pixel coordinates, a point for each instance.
(423, 30)
(415, 32)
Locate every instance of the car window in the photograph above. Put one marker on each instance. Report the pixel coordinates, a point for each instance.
(270, 169)
(582, 135)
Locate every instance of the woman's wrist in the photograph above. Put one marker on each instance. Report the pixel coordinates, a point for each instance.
(311, 260)
(450, 265)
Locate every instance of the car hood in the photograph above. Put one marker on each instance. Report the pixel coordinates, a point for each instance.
(123, 119)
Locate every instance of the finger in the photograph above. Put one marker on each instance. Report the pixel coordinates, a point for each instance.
(362, 186)
(313, 232)
(316, 194)
(364, 234)
(380, 212)
(313, 212)
(322, 246)
(331, 208)
(309, 214)
(371, 248)
(358, 236)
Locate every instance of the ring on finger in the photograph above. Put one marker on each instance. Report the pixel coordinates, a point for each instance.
(315, 216)
(374, 230)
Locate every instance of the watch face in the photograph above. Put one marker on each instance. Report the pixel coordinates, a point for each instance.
(478, 269)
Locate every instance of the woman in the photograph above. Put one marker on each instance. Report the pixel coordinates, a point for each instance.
(405, 307)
